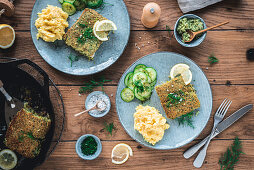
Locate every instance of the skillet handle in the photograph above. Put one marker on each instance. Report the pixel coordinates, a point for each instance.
(15, 62)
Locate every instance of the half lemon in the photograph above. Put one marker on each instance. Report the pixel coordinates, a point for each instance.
(181, 69)
(102, 28)
(121, 153)
(7, 36)
(8, 159)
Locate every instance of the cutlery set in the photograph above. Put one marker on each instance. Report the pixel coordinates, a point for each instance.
(218, 127)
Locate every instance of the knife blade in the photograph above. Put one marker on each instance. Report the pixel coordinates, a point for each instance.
(221, 127)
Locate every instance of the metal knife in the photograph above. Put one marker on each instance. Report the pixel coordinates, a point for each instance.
(221, 127)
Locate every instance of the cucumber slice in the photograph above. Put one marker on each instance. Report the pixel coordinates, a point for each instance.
(146, 93)
(152, 73)
(138, 96)
(70, 1)
(149, 80)
(127, 77)
(140, 70)
(94, 3)
(140, 66)
(153, 83)
(82, 6)
(61, 1)
(127, 95)
(69, 8)
(130, 83)
(139, 78)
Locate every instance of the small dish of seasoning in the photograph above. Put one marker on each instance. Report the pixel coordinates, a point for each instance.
(88, 147)
(189, 22)
(95, 97)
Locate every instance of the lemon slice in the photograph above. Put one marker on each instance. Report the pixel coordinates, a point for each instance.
(106, 25)
(182, 69)
(8, 159)
(121, 153)
(7, 36)
(101, 35)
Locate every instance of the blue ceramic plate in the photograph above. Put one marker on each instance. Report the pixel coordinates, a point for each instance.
(176, 136)
(56, 54)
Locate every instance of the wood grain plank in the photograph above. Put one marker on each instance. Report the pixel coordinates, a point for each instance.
(85, 124)
(228, 46)
(239, 13)
(145, 158)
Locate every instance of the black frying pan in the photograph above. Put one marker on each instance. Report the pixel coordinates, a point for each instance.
(23, 86)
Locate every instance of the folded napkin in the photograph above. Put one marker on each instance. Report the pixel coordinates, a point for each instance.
(192, 5)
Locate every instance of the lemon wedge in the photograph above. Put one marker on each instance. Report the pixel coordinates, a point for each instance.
(102, 28)
(106, 25)
(7, 36)
(182, 69)
(8, 159)
(121, 153)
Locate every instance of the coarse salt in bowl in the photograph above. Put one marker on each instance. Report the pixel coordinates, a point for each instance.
(91, 101)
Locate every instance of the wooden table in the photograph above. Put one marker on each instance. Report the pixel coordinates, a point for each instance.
(232, 77)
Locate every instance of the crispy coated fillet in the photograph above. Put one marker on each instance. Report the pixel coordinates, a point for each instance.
(90, 46)
(175, 85)
(25, 131)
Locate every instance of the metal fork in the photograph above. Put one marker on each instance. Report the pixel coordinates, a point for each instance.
(219, 115)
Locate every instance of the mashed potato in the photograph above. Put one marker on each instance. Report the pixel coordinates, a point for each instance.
(150, 123)
(51, 23)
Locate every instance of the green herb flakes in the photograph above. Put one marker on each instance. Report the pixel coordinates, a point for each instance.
(89, 146)
(73, 58)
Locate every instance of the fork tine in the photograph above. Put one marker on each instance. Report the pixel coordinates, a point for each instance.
(221, 106)
(226, 108)
(218, 110)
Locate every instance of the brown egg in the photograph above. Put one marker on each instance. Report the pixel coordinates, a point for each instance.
(151, 15)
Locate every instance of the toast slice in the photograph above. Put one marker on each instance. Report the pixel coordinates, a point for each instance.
(86, 21)
(186, 94)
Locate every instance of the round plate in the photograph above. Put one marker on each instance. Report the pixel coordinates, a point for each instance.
(176, 136)
(56, 54)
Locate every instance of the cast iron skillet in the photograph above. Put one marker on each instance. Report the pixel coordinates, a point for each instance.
(23, 86)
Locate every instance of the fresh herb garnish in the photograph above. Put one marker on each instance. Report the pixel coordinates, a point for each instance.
(231, 156)
(30, 135)
(109, 127)
(175, 98)
(187, 119)
(73, 58)
(89, 86)
(87, 33)
(212, 59)
(89, 146)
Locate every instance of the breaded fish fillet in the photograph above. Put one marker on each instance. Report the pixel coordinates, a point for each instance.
(86, 21)
(25, 132)
(188, 100)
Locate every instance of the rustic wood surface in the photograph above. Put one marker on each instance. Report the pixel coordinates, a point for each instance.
(232, 77)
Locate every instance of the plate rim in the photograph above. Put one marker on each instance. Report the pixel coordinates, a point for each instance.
(91, 73)
(152, 146)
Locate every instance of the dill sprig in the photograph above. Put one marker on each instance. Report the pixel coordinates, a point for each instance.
(231, 156)
(89, 86)
(73, 58)
(187, 119)
(87, 33)
(212, 59)
(109, 127)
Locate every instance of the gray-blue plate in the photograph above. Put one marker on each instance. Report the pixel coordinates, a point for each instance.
(56, 54)
(176, 136)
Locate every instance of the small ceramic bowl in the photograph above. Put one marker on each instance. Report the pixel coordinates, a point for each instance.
(194, 42)
(88, 157)
(92, 96)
